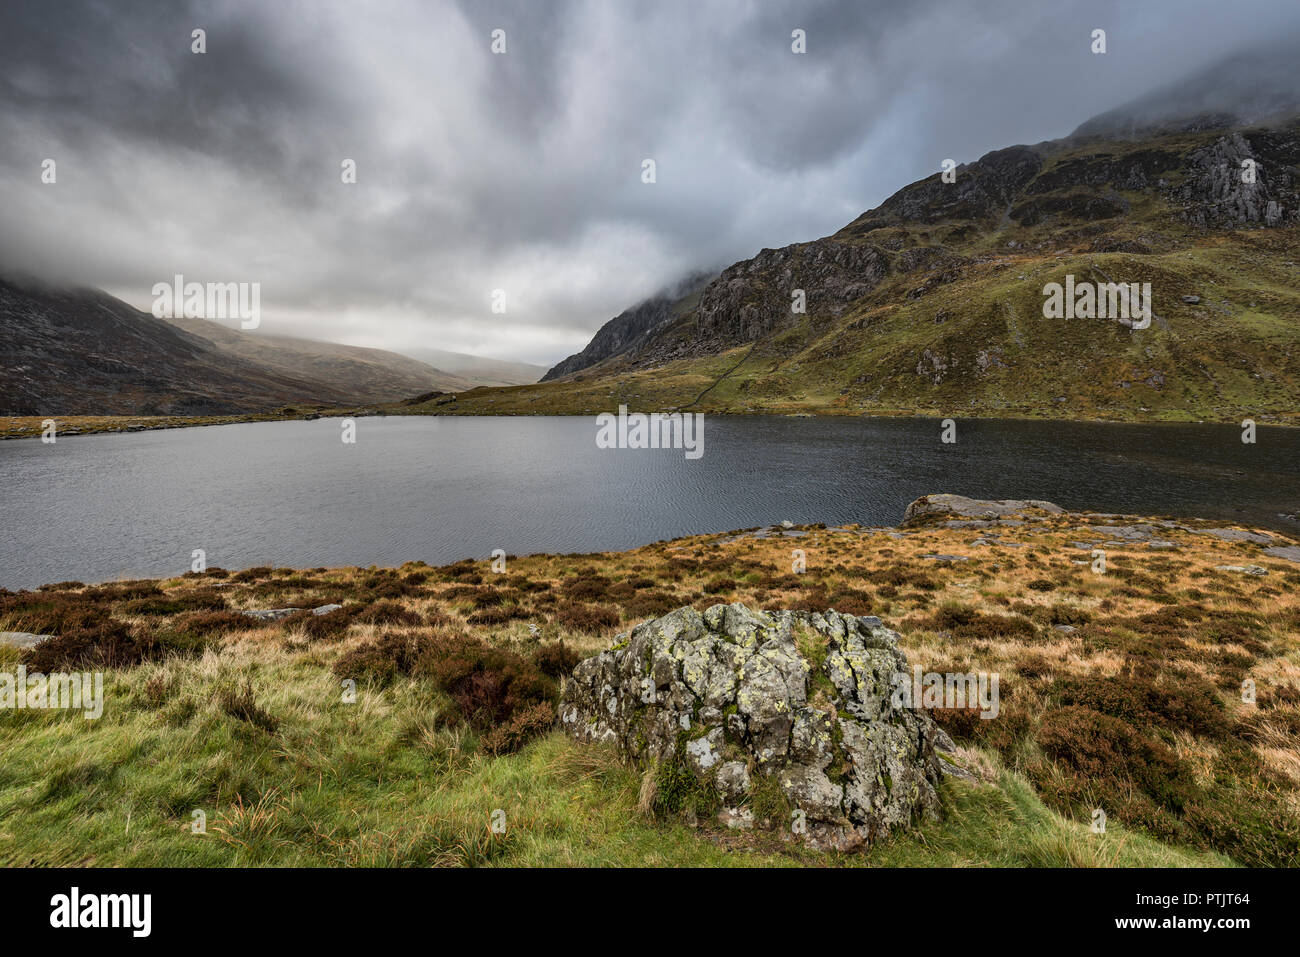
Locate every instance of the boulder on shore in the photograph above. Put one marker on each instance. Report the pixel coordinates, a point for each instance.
(929, 509)
(783, 720)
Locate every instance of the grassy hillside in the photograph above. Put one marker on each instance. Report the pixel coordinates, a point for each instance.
(1119, 691)
(933, 304)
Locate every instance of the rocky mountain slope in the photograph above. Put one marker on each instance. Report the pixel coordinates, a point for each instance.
(933, 301)
(84, 352)
(630, 327)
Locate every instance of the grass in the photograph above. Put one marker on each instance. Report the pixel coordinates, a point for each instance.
(1135, 709)
(375, 784)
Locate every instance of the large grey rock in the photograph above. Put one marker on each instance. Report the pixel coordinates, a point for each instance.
(793, 702)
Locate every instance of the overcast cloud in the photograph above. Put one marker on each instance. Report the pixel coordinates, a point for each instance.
(522, 171)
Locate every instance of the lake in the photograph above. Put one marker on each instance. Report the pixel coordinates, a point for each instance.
(98, 507)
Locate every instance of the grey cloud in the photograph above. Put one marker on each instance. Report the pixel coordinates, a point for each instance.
(522, 171)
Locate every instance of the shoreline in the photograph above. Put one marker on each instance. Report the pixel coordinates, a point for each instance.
(30, 427)
(950, 514)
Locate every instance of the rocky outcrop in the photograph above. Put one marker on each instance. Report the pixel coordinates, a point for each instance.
(1216, 192)
(983, 190)
(753, 298)
(931, 509)
(785, 720)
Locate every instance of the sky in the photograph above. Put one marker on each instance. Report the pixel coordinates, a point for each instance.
(522, 171)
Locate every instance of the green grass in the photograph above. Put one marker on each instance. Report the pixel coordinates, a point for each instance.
(375, 783)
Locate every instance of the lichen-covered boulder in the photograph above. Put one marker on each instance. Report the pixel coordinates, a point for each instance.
(782, 719)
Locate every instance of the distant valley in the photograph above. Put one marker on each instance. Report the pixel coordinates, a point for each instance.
(84, 352)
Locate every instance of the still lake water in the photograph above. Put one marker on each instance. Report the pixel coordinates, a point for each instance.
(98, 507)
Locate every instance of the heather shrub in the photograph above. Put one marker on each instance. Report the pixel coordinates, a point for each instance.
(556, 659)
(524, 725)
(586, 588)
(1180, 702)
(381, 660)
(191, 633)
(106, 644)
(204, 600)
(1112, 756)
(650, 604)
(331, 625)
(45, 613)
(586, 618)
(252, 574)
(497, 616)
(387, 613)
(487, 684)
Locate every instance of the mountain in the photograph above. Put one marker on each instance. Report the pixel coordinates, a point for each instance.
(1255, 88)
(933, 302)
(626, 330)
(84, 352)
(369, 375)
(480, 370)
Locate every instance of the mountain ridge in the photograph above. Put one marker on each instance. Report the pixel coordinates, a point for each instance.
(81, 351)
(932, 300)
(1159, 174)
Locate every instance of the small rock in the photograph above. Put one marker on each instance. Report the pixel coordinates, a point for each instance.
(1242, 569)
(21, 639)
(270, 614)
